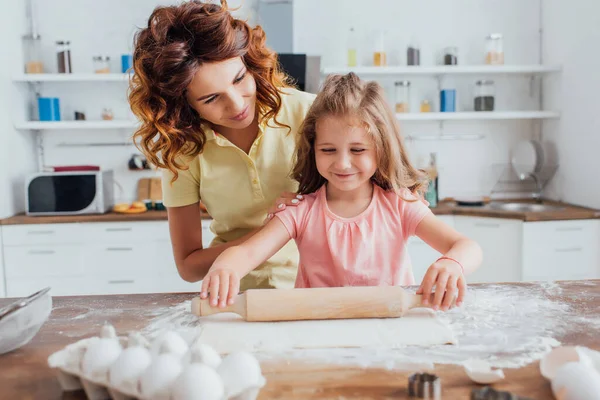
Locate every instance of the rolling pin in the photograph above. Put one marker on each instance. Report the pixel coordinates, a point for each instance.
(316, 303)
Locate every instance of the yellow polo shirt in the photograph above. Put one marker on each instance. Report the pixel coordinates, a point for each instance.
(238, 188)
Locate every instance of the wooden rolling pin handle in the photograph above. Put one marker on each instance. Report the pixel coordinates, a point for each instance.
(202, 307)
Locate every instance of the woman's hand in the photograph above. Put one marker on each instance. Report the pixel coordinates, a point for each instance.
(221, 284)
(447, 277)
(284, 200)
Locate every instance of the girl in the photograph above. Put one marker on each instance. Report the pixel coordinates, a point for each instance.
(362, 203)
(220, 121)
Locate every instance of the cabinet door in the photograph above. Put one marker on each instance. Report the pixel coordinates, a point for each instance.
(501, 241)
(421, 254)
(562, 250)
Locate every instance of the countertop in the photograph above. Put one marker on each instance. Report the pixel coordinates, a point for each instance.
(569, 212)
(26, 375)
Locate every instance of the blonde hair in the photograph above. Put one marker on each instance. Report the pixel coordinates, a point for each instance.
(350, 97)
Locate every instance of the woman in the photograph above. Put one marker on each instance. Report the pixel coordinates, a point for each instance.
(220, 120)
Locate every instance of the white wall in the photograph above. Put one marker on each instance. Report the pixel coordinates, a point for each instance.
(466, 167)
(16, 148)
(571, 37)
(94, 28)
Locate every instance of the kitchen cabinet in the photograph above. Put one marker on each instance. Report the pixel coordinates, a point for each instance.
(92, 258)
(2, 279)
(421, 254)
(561, 250)
(501, 243)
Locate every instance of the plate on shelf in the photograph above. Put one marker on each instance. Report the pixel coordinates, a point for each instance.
(527, 158)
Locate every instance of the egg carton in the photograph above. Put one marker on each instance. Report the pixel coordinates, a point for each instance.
(123, 368)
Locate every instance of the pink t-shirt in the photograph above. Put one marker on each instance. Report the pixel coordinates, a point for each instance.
(366, 250)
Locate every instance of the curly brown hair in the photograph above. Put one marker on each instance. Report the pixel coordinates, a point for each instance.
(168, 53)
(349, 97)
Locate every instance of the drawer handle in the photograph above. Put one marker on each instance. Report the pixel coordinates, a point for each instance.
(118, 282)
(40, 232)
(118, 229)
(569, 229)
(487, 225)
(119, 248)
(38, 252)
(569, 250)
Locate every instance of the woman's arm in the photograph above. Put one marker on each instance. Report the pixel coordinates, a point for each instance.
(192, 260)
(447, 273)
(223, 279)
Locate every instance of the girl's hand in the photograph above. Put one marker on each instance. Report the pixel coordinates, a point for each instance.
(284, 200)
(221, 285)
(447, 277)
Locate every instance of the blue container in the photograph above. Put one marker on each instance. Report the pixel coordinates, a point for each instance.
(49, 108)
(448, 100)
(126, 62)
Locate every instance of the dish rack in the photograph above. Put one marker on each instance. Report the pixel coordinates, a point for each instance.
(511, 183)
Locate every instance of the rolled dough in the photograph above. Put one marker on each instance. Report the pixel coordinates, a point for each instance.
(229, 332)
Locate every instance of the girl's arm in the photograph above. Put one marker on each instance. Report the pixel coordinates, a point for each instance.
(222, 281)
(460, 256)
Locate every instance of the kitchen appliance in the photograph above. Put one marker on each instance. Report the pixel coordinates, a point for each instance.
(304, 70)
(69, 193)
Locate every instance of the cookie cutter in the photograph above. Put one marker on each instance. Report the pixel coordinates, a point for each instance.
(488, 393)
(425, 386)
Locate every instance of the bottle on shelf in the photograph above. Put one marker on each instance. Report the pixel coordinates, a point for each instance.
(352, 48)
(379, 55)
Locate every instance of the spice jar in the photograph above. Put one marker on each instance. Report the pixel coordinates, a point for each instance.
(33, 54)
(107, 114)
(101, 64)
(494, 49)
(63, 57)
(402, 96)
(425, 106)
(413, 54)
(451, 55)
(484, 95)
(379, 56)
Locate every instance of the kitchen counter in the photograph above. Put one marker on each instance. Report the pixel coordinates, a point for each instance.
(26, 375)
(569, 212)
(22, 219)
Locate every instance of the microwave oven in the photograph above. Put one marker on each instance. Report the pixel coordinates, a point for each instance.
(69, 193)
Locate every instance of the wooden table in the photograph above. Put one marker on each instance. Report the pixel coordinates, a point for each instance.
(24, 373)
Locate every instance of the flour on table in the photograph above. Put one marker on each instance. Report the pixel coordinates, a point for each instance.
(506, 326)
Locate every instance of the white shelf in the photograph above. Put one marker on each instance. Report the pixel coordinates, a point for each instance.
(480, 115)
(72, 78)
(70, 125)
(445, 70)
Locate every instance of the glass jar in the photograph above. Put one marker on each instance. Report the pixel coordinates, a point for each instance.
(101, 64)
(107, 114)
(379, 55)
(484, 95)
(351, 48)
(451, 55)
(413, 53)
(63, 57)
(402, 96)
(494, 49)
(33, 54)
(425, 106)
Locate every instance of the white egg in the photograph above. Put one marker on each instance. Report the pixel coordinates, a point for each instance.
(132, 361)
(576, 381)
(100, 354)
(481, 372)
(169, 342)
(240, 372)
(156, 381)
(203, 353)
(198, 382)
